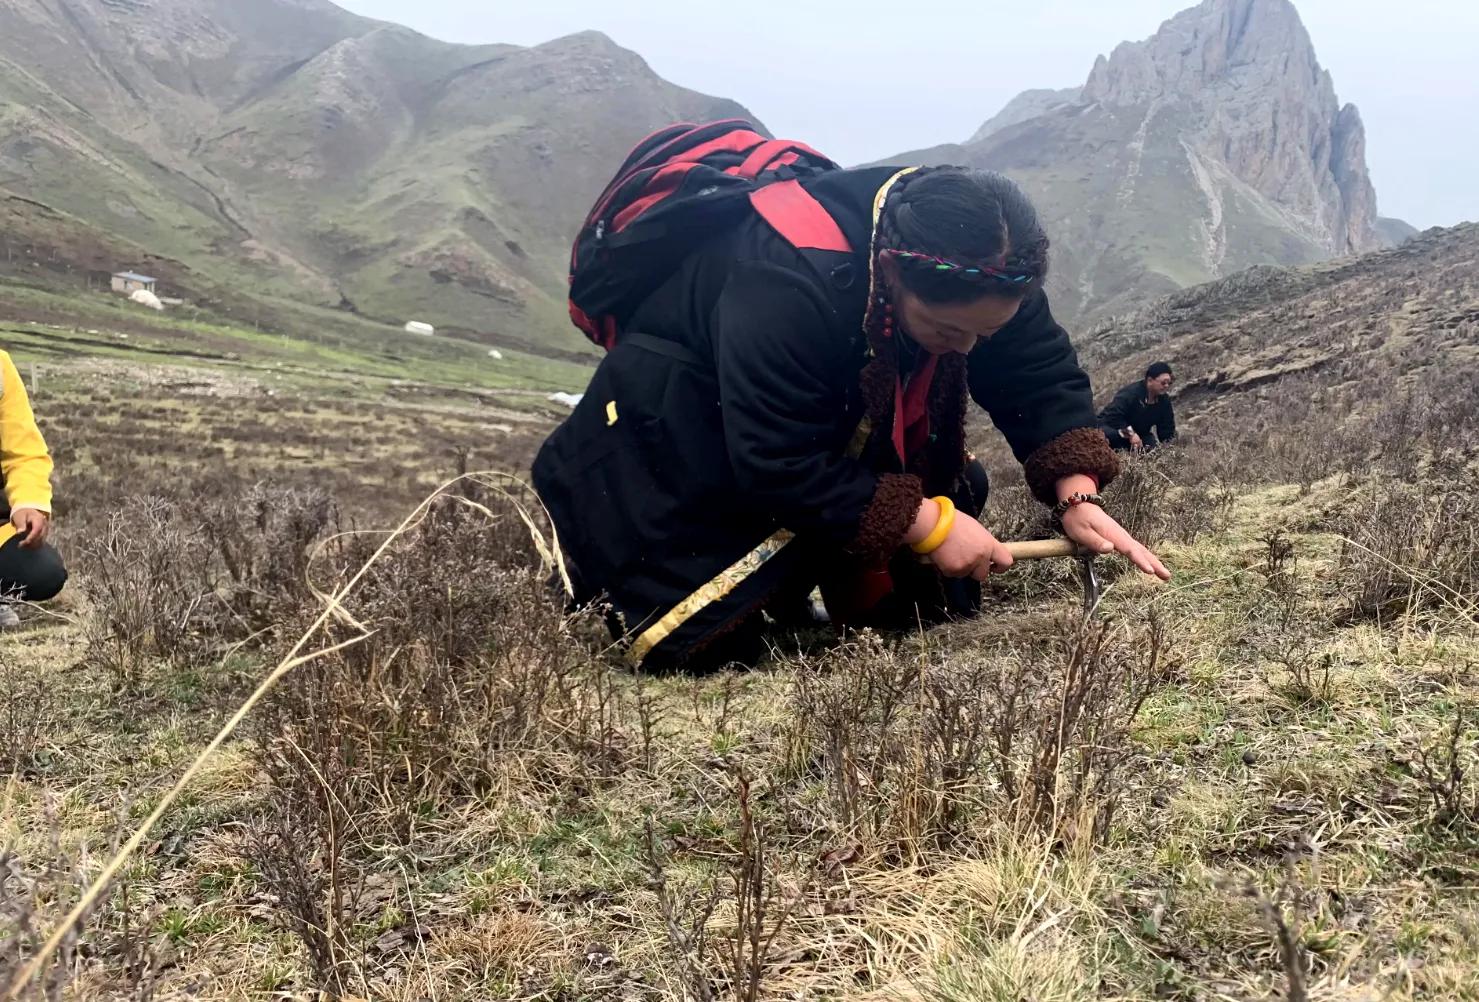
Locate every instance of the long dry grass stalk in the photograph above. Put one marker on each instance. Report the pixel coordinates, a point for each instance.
(1454, 600)
(293, 659)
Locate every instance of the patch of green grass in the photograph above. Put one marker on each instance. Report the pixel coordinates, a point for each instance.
(592, 848)
(187, 927)
(272, 978)
(504, 874)
(317, 344)
(704, 825)
(225, 878)
(1175, 719)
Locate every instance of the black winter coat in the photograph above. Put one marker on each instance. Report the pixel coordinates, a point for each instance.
(1154, 423)
(711, 461)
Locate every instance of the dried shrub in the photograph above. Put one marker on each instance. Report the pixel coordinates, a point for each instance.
(263, 539)
(1283, 634)
(1136, 497)
(845, 703)
(1279, 560)
(1410, 547)
(1445, 767)
(1283, 917)
(149, 577)
(30, 707)
(179, 581)
(686, 913)
(298, 849)
(1014, 514)
(762, 907)
(463, 675)
(1196, 502)
(1061, 762)
(37, 888)
(1284, 628)
(1179, 492)
(913, 752)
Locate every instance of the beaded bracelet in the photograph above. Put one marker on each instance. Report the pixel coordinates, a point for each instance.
(1073, 501)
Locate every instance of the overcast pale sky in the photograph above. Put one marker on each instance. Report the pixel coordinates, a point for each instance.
(861, 85)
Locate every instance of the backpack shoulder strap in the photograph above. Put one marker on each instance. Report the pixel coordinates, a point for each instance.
(798, 217)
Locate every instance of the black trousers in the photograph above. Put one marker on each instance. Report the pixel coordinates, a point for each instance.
(1120, 443)
(920, 595)
(30, 575)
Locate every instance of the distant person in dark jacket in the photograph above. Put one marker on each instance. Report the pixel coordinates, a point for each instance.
(1140, 417)
(771, 427)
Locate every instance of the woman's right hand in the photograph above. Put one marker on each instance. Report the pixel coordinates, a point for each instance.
(969, 551)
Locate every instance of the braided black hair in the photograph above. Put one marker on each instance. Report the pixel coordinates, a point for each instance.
(959, 235)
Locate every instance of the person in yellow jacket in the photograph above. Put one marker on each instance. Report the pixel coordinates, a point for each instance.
(31, 570)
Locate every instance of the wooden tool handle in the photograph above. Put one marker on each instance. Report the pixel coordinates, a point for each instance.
(1040, 549)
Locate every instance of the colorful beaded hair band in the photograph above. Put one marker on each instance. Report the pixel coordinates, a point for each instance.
(975, 269)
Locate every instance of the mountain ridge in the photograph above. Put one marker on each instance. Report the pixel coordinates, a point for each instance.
(1216, 144)
(289, 148)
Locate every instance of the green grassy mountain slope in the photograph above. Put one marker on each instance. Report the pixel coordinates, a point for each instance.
(289, 149)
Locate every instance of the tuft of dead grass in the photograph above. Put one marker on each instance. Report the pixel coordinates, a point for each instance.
(915, 748)
(1411, 547)
(468, 679)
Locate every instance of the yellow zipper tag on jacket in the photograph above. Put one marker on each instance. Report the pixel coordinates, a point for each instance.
(610, 413)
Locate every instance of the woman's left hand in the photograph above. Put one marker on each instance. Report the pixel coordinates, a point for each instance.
(1091, 527)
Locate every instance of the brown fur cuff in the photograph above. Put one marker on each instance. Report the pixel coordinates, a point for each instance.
(1082, 450)
(887, 518)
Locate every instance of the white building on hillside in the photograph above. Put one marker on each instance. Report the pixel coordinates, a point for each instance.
(129, 282)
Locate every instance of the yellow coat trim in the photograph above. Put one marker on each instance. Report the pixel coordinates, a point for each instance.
(25, 463)
(727, 581)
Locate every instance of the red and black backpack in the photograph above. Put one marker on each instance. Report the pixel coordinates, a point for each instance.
(677, 188)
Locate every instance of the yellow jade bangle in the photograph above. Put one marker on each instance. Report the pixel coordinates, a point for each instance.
(936, 538)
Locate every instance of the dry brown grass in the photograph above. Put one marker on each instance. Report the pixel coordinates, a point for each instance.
(1261, 771)
(1413, 547)
(914, 747)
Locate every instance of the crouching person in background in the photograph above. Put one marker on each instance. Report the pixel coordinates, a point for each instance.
(30, 568)
(1140, 417)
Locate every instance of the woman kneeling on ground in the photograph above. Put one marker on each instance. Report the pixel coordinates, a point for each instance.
(774, 428)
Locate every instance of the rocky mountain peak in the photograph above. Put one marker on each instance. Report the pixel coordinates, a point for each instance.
(1245, 72)
(1215, 145)
(1220, 41)
(1026, 106)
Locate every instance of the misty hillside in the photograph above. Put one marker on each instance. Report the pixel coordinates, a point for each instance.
(286, 150)
(1345, 338)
